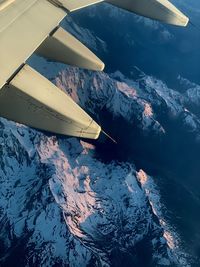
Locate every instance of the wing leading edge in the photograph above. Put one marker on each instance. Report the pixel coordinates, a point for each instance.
(28, 26)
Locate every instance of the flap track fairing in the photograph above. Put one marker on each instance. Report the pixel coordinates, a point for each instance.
(161, 10)
(65, 48)
(33, 100)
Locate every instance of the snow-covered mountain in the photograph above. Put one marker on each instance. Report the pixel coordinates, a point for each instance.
(61, 204)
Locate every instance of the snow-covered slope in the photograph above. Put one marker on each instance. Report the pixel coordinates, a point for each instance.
(60, 204)
(146, 103)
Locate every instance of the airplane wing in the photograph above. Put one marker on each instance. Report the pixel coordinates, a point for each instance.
(28, 26)
(32, 26)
